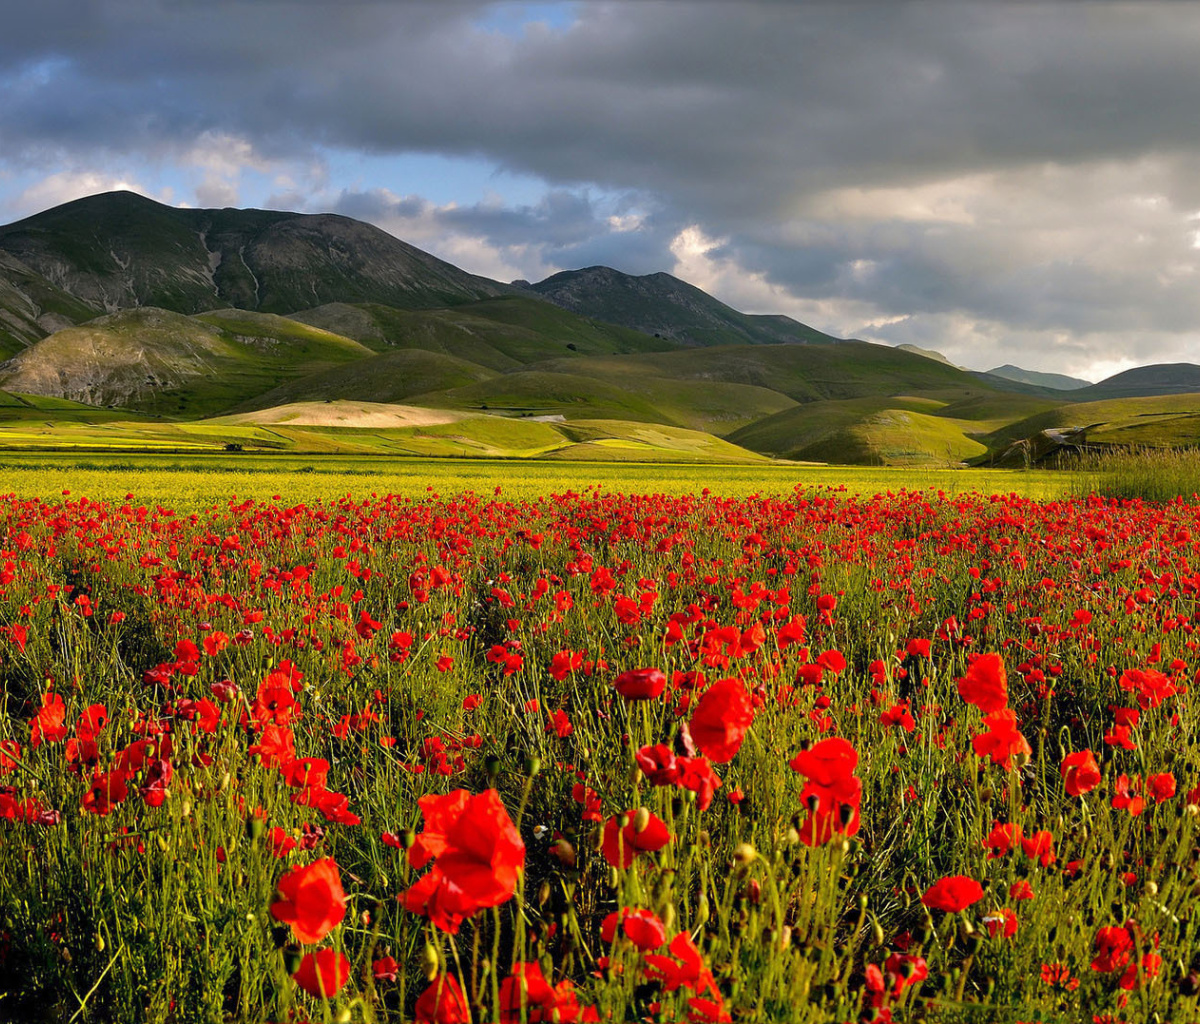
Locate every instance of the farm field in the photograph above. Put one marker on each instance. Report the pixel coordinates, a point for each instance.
(193, 482)
(808, 746)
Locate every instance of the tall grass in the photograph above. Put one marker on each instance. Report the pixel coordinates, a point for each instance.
(1152, 474)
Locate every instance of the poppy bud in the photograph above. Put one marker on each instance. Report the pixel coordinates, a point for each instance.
(564, 851)
(407, 838)
(641, 819)
(344, 1016)
(533, 765)
(99, 943)
(744, 853)
(255, 827)
(429, 962)
(543, 894)
(491, 764)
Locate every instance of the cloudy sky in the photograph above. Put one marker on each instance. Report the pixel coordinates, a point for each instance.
(1004, 182)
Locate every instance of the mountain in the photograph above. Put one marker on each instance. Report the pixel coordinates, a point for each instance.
(1058, 381)
(1144, 381)
(928, 353)
(664, 306)
(32, 307)
(157, 361)
(119, 250)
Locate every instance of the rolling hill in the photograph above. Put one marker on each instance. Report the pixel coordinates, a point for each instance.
(1057, 381)
(664, 306)
(155, 361)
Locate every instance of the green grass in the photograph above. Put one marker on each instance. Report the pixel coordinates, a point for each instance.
(1158, 420)
(899, 431)
(192, 482)
(387, 377)
(500, 334)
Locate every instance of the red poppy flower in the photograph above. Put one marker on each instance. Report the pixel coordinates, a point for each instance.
(1003, 740)
(443, 1002)
(641, 927)
(644, 832)
(478, 849)
(526, 995)
(1080, 772)
(952, 894)
(640, 683)
(1114, 949)
(313, 900)
(322, 973)
(1161, 787)
(986, 684)
(722, 716)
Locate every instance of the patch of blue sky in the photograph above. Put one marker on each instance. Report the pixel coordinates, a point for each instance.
(512, 17)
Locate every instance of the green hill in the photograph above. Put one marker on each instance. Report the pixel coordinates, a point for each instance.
(711, 406)
(1144, 381)
(1155, 421)
(804, 373)
(888, 431)
(155, 361)
(501, 334)
(386, 377)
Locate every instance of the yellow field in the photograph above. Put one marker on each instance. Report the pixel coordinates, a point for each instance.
(189, 482)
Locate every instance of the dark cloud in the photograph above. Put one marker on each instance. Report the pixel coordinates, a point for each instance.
(1029, 168)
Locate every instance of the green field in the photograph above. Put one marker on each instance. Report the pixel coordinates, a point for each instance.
(193, 482)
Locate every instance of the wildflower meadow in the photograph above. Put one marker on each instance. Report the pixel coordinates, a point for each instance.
(819, 756)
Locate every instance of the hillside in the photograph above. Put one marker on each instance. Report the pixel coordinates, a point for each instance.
(664, 306)
(1144, 381)
(32, 307)
(119, 250)
(1058, 381)
(804, 373)
(1155, 420)
(156, 361)
(501, 334)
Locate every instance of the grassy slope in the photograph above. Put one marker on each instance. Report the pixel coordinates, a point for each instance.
(501, 334)
(905, 430)
(1159, 420)
(805, 373)
(167, 364)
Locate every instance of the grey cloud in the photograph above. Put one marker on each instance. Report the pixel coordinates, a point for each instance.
(738, 117)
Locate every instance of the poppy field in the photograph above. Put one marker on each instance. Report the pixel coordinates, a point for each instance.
(818, 756)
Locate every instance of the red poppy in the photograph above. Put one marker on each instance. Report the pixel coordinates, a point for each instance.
(952, 894)
(1114, 949)
(313, 902)
(640, 683)
(644, 831)
(322, 973)
(722, 716)
(1161, 787)
(479, 856)
(986, 684)
(1080, 772)
(1040, 847)
(641, 927)
(833, 794)
(526, 995)
(1003, 740)
(443, 1002)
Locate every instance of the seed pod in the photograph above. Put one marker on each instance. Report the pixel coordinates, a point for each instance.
(429, 962)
